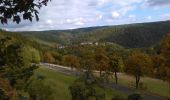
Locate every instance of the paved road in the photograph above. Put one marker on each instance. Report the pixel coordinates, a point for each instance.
(123, 89)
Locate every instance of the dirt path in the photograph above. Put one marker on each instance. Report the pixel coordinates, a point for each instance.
(123, 89)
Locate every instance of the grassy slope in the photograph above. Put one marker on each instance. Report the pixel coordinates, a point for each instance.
(61, 82)
(153, 85)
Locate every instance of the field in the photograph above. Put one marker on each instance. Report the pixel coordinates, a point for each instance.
(152, 85)
(61, 83)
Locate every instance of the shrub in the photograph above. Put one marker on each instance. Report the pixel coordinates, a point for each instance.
(135, 96)
(117, 97)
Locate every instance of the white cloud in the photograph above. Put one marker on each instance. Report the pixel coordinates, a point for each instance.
(165, 16)
(115, 14)
(48, 22)
(149, 17)
(99, 16)
(79, 23)
(132, 16)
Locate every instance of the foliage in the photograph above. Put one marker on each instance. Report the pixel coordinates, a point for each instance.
(32, 54)
(135, 96)
(71, 61)
(38, 90)
(57, 56)
(88, 59)
(158, 66)
(116, 65)
(102, 61)
(13, 9)
(165, 51)
(118, 97)
(6, 91)
(86, 89)
(48, 58)
(138, 64)
(15, 64)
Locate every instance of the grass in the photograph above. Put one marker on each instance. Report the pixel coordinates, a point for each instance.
(155, 86)
(58, 81)
(61, 83)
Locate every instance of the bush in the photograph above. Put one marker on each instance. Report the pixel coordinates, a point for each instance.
(135, 96)
(83, 90)
(118, 98)
(38, 90)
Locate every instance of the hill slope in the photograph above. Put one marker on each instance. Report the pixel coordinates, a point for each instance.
(130, 36)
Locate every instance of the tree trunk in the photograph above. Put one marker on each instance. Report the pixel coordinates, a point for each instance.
(169, 90)
(100, 73)
(71, 68)
(137, 81)
(116, 77)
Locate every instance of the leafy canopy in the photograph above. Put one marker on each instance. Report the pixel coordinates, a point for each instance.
(20, 9)
(138, 64)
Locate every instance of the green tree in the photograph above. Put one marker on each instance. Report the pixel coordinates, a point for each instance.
(35, 56)
(32, 54)
(88, 59)
(57, 56)
(138, 64)
(116, 64)
(20, 9)
(14, 63)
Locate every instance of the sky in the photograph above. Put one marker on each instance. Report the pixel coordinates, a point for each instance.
(71, 14)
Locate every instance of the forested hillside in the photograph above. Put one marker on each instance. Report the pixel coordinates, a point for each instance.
(130, 36)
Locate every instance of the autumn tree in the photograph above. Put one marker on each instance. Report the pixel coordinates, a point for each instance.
(138, 64)
(116, 64)
(158, 65)
(16, 10)
(71, 61)
(102, 60)
(48, 57)
(6, 91)
(165, 52)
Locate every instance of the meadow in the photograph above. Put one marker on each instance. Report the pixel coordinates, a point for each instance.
(61, 82)
(151, 85)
